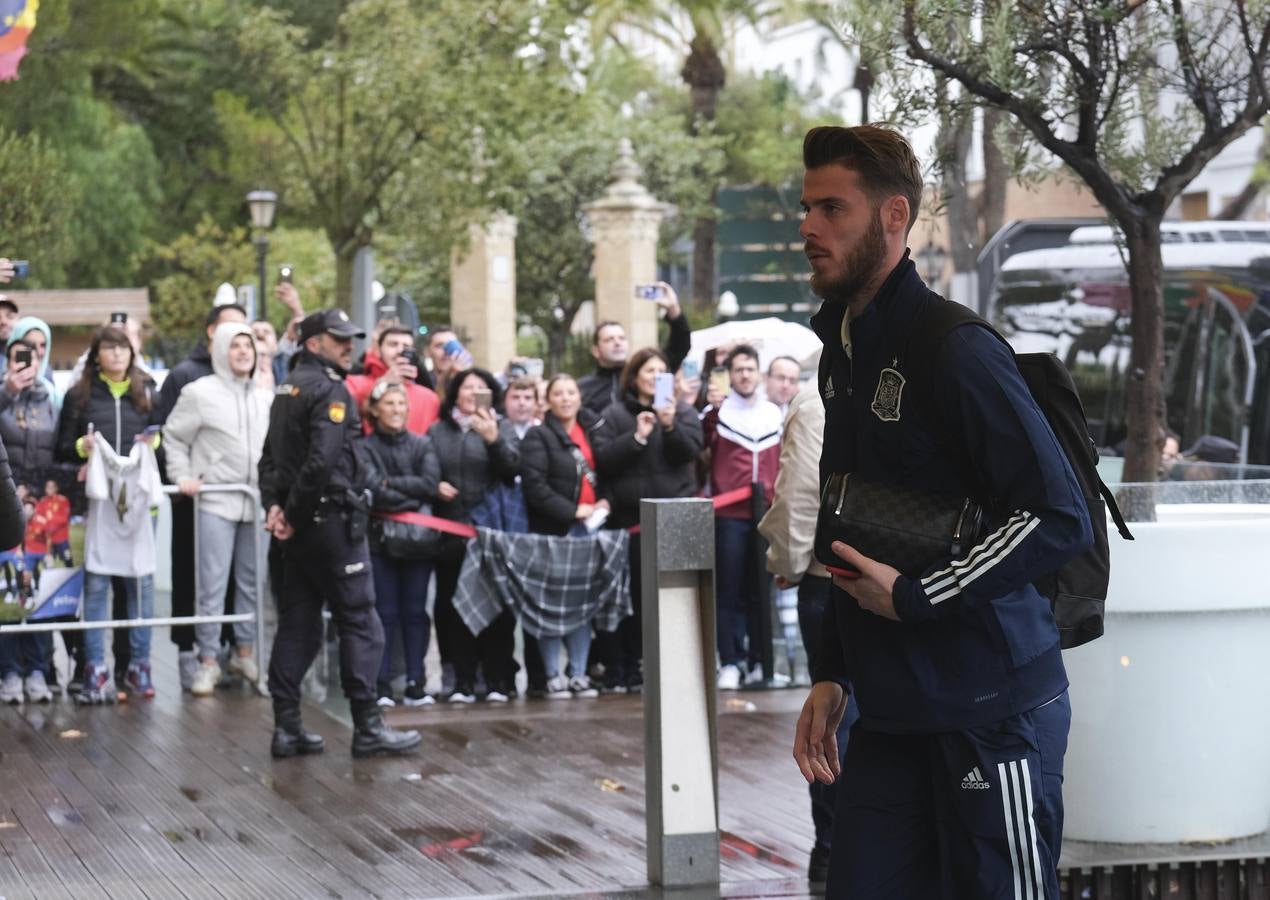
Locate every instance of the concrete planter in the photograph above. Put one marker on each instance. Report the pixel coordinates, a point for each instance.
(1170, 737)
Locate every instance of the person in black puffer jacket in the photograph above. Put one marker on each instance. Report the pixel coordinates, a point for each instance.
(641, 453)
(477, 452)
(117, 399)
(562, 491)
(404, 475)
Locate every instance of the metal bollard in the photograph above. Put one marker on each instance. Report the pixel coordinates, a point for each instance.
(681, 759)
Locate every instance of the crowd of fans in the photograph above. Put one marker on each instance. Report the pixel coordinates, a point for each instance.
(520, 450)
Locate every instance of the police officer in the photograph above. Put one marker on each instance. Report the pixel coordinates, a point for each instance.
(312, 483)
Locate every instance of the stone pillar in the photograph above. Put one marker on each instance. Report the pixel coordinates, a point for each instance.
(483, 291)
(624, 226)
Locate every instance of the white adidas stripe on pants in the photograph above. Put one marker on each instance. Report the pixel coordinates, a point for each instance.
(1020, 828)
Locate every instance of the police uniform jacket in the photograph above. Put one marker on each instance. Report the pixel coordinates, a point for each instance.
(311, 451)
(976, 643)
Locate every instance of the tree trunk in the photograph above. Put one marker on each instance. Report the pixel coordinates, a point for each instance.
(995, 176)
(1144, 388)
(956, 132)
(345, 253)
(704, 73)
(1238, 204)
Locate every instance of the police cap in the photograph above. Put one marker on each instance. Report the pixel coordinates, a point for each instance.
(334, 322)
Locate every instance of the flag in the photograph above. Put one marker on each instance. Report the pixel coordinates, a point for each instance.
(59, 594)
(17, 19)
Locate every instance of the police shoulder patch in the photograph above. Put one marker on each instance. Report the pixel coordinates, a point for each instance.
(335, 412)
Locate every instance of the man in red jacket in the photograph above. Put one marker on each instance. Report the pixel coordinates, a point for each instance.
(397, 361)
(743, 435)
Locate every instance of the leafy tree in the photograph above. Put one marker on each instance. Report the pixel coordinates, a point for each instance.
(386, 113)
(184, 275)
(34, 205)
(1136, 98)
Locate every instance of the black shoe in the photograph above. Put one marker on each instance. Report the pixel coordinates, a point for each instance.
(416, 696)
(818, 867)
(373, 737)
(299, 742)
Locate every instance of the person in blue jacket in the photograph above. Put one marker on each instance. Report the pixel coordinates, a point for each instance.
(952, 779)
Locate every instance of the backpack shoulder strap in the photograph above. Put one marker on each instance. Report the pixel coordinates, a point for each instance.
(938, 320)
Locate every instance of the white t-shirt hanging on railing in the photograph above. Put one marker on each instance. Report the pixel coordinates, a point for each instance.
(119, 533)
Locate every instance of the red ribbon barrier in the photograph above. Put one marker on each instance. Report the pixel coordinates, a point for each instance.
(467, 531)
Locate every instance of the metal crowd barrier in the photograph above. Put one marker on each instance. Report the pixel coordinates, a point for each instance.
(262, 565)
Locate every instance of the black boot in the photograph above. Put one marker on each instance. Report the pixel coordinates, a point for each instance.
(290, 738)
(373, 737)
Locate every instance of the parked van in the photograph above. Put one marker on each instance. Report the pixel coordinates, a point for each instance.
(1074, 301)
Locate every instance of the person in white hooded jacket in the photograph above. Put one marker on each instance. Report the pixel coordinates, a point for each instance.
(215, 434)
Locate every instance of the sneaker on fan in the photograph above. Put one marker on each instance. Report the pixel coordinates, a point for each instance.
(244, 667)
(11, 689)
(187, 666)
(580, 685)
(139, 682)
(205, 679)
(558, 688)
(729, 678)
(37, 689)
(97, 686)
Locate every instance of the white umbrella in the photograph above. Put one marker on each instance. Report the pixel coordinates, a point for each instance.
(771, 337)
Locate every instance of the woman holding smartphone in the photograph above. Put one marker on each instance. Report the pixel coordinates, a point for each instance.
(477, 451)
(641, 452)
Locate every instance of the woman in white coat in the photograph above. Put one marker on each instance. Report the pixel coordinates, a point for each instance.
(215, 435)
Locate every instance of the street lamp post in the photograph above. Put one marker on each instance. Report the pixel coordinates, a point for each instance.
(932, 258)
(261, 205)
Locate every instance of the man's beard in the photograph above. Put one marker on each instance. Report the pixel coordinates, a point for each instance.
(858, 269)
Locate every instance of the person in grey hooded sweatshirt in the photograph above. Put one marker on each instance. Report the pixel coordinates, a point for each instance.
(215, 434)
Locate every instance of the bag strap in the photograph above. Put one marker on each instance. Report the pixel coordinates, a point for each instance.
(1114, 509)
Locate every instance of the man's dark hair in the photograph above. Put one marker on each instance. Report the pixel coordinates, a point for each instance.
(396, 329)
(742, 350)
(883, 158)
(788, 359)
(523, 383)
(607, 323)
(440, 329)
(214, 314)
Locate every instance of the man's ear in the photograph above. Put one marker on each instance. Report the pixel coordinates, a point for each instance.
(595, 351)
(895, 213)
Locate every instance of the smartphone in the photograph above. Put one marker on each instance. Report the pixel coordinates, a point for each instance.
(720, 380)
(410, 356)
(534, 368)
(387, 313)
(21, 268)
(649, 291)
(690, 369)
(453, 347)
(284, 274)
(849, 574)
(118, 318)
(23, 357)
(484, 399)
(664, 392)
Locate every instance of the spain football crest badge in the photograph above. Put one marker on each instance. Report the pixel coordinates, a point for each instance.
(886, 399)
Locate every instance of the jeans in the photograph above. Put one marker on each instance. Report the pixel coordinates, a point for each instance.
(22, 654)
(578, 643)
(738, 589)
(97, 607)
(401, 597)
(813, 597)
(225, 546)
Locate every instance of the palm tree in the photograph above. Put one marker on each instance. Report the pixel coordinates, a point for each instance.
(700, 29)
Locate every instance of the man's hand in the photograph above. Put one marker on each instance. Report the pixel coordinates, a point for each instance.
(404, 370)
(816, 735)
(784, 583)
(276, 524)
(669, 301)
(447, 491)
(17, 380)
(289, 297)
(872, 589)
(190, 486)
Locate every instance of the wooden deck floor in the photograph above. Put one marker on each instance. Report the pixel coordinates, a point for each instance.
(179, 798)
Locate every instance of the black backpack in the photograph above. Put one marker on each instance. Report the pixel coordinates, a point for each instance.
(1077, 591)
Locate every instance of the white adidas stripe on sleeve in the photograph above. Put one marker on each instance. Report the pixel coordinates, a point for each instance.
(948, 583)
